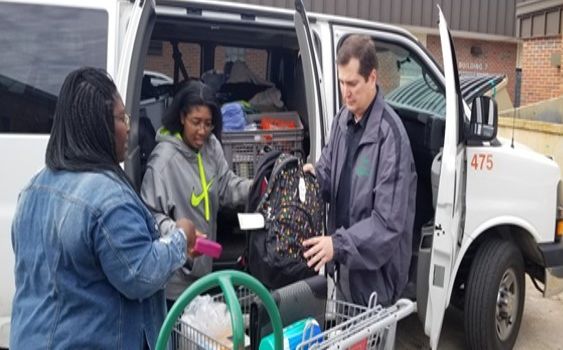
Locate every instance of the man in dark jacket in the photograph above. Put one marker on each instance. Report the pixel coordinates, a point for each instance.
(367, 175)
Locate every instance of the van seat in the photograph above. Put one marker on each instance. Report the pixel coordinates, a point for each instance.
(426, 136)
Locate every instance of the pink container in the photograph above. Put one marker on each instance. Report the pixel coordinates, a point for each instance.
(208, 247)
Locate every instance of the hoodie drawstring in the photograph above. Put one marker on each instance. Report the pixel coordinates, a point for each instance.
(204, 195)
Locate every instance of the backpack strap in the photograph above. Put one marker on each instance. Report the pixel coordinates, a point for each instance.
(263, 171)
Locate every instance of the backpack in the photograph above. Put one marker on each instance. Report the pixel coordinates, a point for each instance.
(293, 211)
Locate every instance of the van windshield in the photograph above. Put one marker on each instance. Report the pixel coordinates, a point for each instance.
(406, 81)
(40, 46)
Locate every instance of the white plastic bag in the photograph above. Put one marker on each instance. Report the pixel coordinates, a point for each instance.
(209, 317)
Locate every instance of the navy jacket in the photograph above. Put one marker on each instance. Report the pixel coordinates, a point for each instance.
(374, 253)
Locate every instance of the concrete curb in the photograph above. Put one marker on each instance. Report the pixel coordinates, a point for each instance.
(531, 125)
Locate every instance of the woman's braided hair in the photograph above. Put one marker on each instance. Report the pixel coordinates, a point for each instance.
(83, 132)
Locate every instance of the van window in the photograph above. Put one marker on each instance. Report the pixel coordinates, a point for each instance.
(40, 46)
(255, 59)
(161, 59)
(406, 82)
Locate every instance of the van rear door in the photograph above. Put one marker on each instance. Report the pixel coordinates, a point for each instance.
(450, 202)
(137, 24)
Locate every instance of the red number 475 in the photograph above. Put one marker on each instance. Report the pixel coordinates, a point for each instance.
(482, 161)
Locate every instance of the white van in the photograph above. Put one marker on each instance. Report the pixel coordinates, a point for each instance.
(497, 212)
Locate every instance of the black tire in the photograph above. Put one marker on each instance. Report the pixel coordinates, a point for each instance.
(494, 297)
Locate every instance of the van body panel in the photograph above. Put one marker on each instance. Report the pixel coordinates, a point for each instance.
(36, 86)
(30, 157)
(494, 192)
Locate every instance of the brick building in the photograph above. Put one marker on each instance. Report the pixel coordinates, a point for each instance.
(540, 25)
(481, 56)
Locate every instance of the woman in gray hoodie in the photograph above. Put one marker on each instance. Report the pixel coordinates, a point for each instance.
(188, 176)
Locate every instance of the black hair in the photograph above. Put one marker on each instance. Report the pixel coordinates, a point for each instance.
(362, 48)
(193, 94)
(83, 132)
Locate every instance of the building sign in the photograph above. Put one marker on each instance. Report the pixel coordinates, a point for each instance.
(473, 66)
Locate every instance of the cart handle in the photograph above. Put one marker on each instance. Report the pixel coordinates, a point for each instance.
(224, 279)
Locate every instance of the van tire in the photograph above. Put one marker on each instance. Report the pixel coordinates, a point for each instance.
(497, 273)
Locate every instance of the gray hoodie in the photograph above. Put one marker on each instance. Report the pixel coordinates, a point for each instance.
(172, 188)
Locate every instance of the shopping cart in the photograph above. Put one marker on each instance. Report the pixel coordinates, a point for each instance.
(193, 339)
(351, 326)
(346, 325)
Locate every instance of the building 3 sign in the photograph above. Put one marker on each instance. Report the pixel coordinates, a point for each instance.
(473, 66)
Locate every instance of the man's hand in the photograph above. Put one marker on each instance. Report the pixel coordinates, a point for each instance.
(191, 235)
(320, 251)
(309, 168)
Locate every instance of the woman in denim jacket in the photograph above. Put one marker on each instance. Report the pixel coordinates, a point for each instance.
(90, 264)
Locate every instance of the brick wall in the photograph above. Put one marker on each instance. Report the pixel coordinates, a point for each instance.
(540, 79)
(495, 58)
(257, 60)
(164, 63)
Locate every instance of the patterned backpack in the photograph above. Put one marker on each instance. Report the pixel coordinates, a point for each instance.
(293, 211)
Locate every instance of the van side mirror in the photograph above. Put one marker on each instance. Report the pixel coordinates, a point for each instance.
(483, 124)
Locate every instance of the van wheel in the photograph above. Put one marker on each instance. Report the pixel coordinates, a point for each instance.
(494, 299)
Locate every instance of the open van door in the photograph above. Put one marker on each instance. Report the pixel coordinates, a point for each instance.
(138, 28)
(449, 206)
(316, 107)
(137, 25)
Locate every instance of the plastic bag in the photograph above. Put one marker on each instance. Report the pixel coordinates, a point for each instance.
(209, 317)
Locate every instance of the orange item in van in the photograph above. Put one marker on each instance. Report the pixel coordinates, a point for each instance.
(268, 123)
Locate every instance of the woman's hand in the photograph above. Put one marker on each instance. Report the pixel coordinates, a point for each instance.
(191, 234)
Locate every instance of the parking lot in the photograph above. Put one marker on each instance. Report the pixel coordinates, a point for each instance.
(540, 330)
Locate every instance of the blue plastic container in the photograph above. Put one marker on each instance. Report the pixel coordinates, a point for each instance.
(293, 335)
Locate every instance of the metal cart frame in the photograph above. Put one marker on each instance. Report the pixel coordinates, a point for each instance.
(346, 326)
(224, 279)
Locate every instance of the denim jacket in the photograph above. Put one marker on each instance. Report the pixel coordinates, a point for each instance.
(90, 265)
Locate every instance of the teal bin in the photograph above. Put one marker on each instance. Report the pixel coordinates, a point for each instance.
(293, 335)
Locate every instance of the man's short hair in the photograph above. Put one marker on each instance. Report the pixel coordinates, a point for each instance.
(360, 47)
